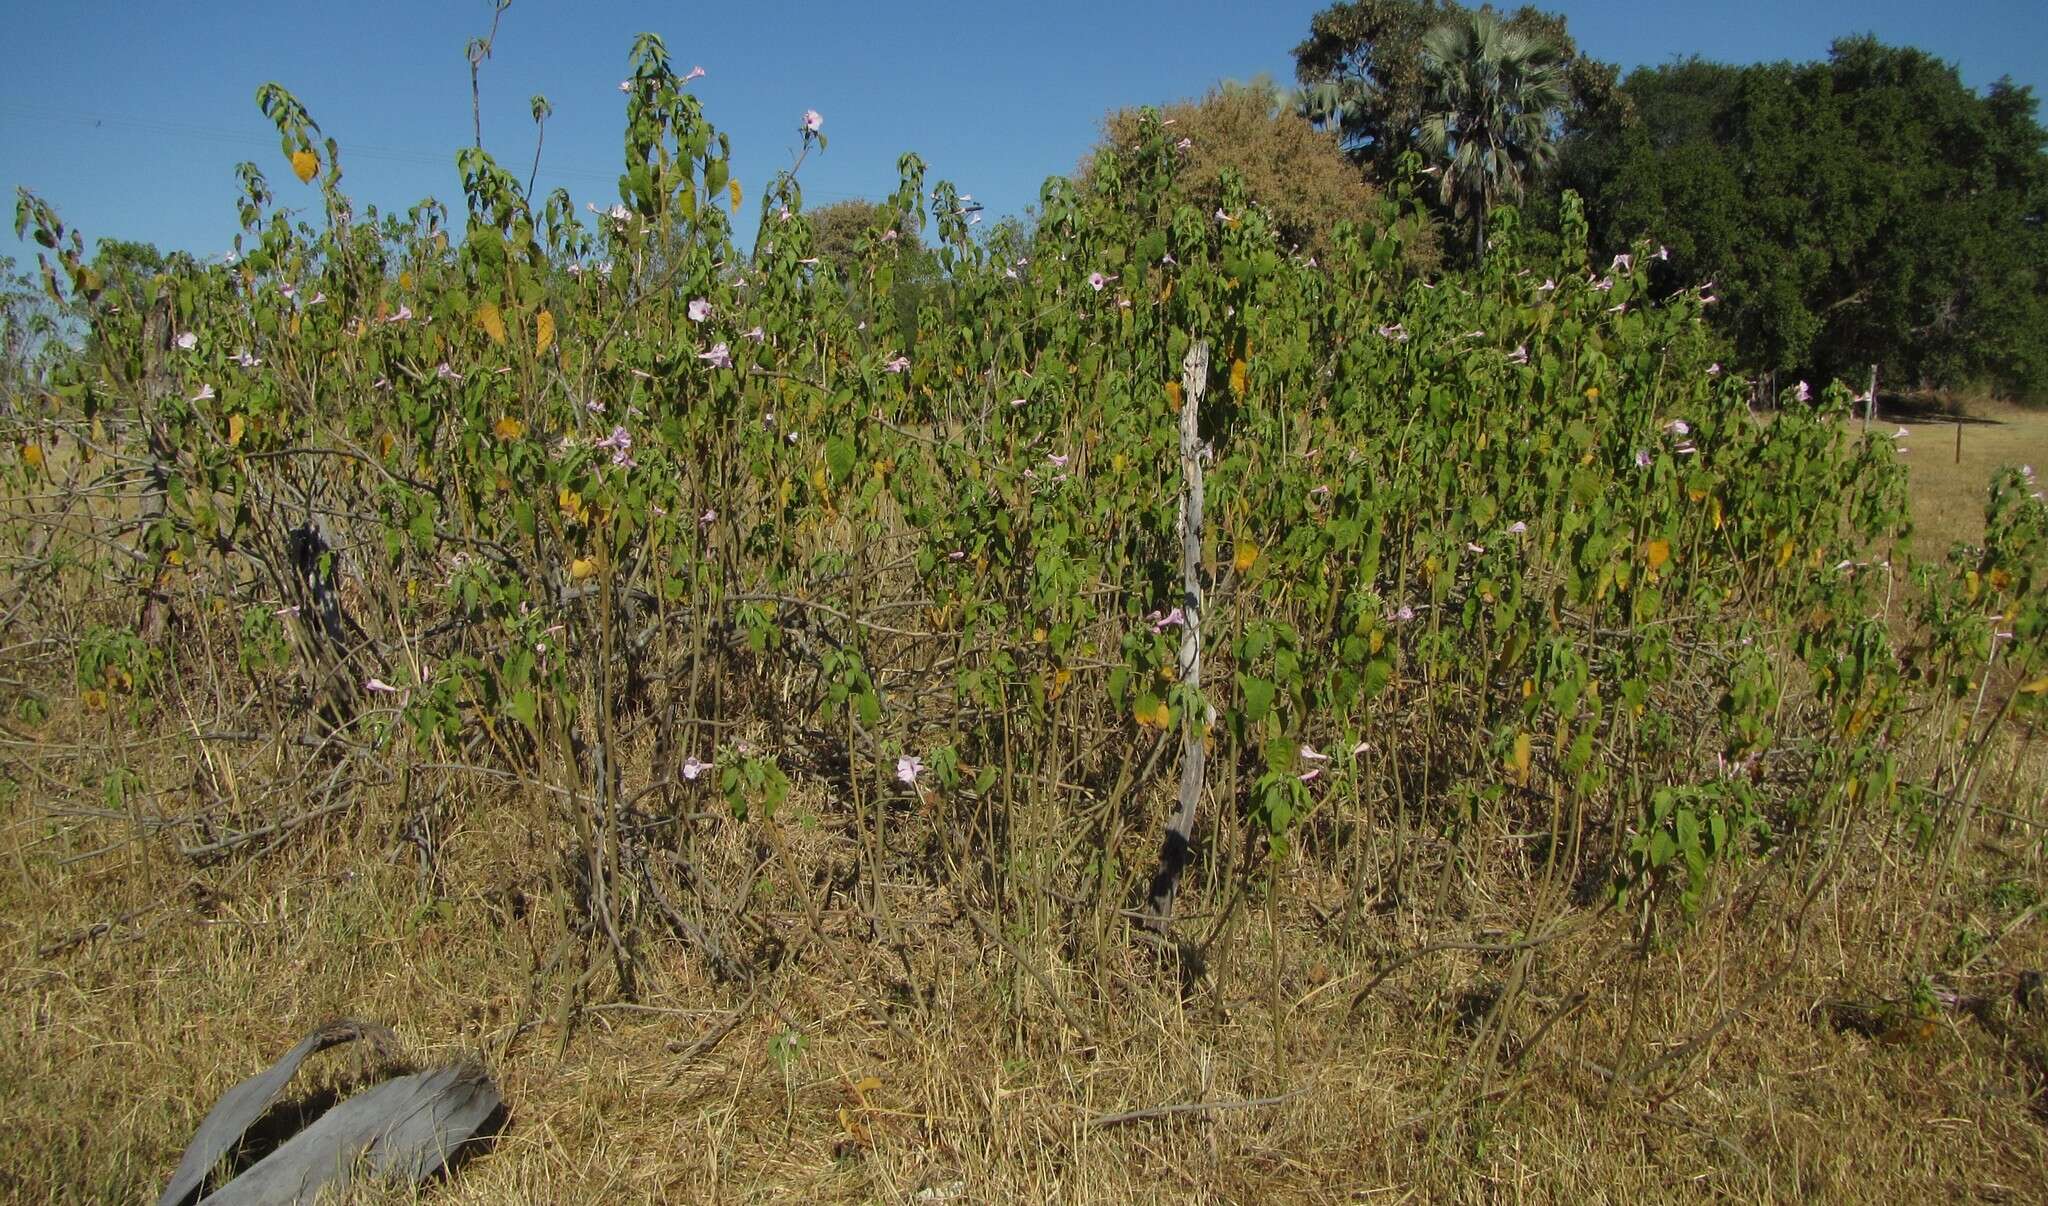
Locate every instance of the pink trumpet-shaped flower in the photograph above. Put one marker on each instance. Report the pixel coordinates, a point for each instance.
(696, 73)
(896, 364)
(720, 356)
(813, 121)
(188, 341)
(694, 768)
(380, 686)
(908, 768)
(699, 309)
(205, 394)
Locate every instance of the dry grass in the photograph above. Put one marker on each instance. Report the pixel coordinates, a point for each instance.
(1949, 485)
(984, 1088)
(1001, 1027)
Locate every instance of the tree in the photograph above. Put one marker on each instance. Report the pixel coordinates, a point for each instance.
(1363, 75)
(1493, 102)
(842, 231)
(1869, 209)
(1298, 174)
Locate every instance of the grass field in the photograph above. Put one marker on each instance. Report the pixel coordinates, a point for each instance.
(1466, 1031)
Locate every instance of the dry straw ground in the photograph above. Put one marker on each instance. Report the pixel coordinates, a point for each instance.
(917, 1044)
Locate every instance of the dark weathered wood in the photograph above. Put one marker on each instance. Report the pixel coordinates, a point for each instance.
(405, 1130)
(240, 1107)
(1177, 848)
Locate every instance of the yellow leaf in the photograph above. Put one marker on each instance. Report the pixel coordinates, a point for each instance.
(1173, 396)
(305, 165)
(508, 428)
(32, 455)
(405, 280)
(732, 190)
(93, 698)
(1376, 641)
(582, 568)
(1658, 552)
(235, 428)
(2037, 687)
(1239, 374)
(1162, 716)
(1247, 556)
(1521, 758)
(492, 322)
(867, 1084)
(1717, 514)
(1975, 582)
(543, 331)
(1785, 553)
(385, 443)
(1592, 392)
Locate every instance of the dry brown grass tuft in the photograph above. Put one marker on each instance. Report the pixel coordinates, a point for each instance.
(934, 1066)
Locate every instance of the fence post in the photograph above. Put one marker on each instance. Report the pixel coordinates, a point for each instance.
(1180, 825)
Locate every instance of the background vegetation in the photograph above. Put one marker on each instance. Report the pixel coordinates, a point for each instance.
(738, 693)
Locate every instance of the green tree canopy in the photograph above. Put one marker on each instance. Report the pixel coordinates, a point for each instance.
(1490, 112)
(1363, 73)
(1869, 209)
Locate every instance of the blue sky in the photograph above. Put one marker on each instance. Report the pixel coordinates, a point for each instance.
(130, 117)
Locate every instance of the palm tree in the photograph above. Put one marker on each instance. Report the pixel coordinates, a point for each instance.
(1491, 118)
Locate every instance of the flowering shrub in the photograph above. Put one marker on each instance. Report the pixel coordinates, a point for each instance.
(1509, 542)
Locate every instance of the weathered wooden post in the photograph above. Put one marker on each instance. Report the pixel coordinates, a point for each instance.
(1180, 825)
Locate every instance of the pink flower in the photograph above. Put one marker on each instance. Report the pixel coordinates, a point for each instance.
(404, 312)
(1096, 281)
(625, 85)
(1309, 753)
(694, 768)
(1714, 369)
(1642, 459)
(1517, 528)
(908, 768)
(696, 73)
(1624, 262)
(620, 444)
(1018, 401)
(1678, 427)
(205, 394)
(757, 335)
(1403, 614)
(896, 364)
(1058, 461)
(1183, 144)
(1801, 393)
(720, 356)
(445, 373)
(1395, 332)
(380, 686)
(699, 309)
(1172, 619)
(708, 517)
(813, 121)
(246, 359)
(1474, 548)
(1519, 356)
(188, 341)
